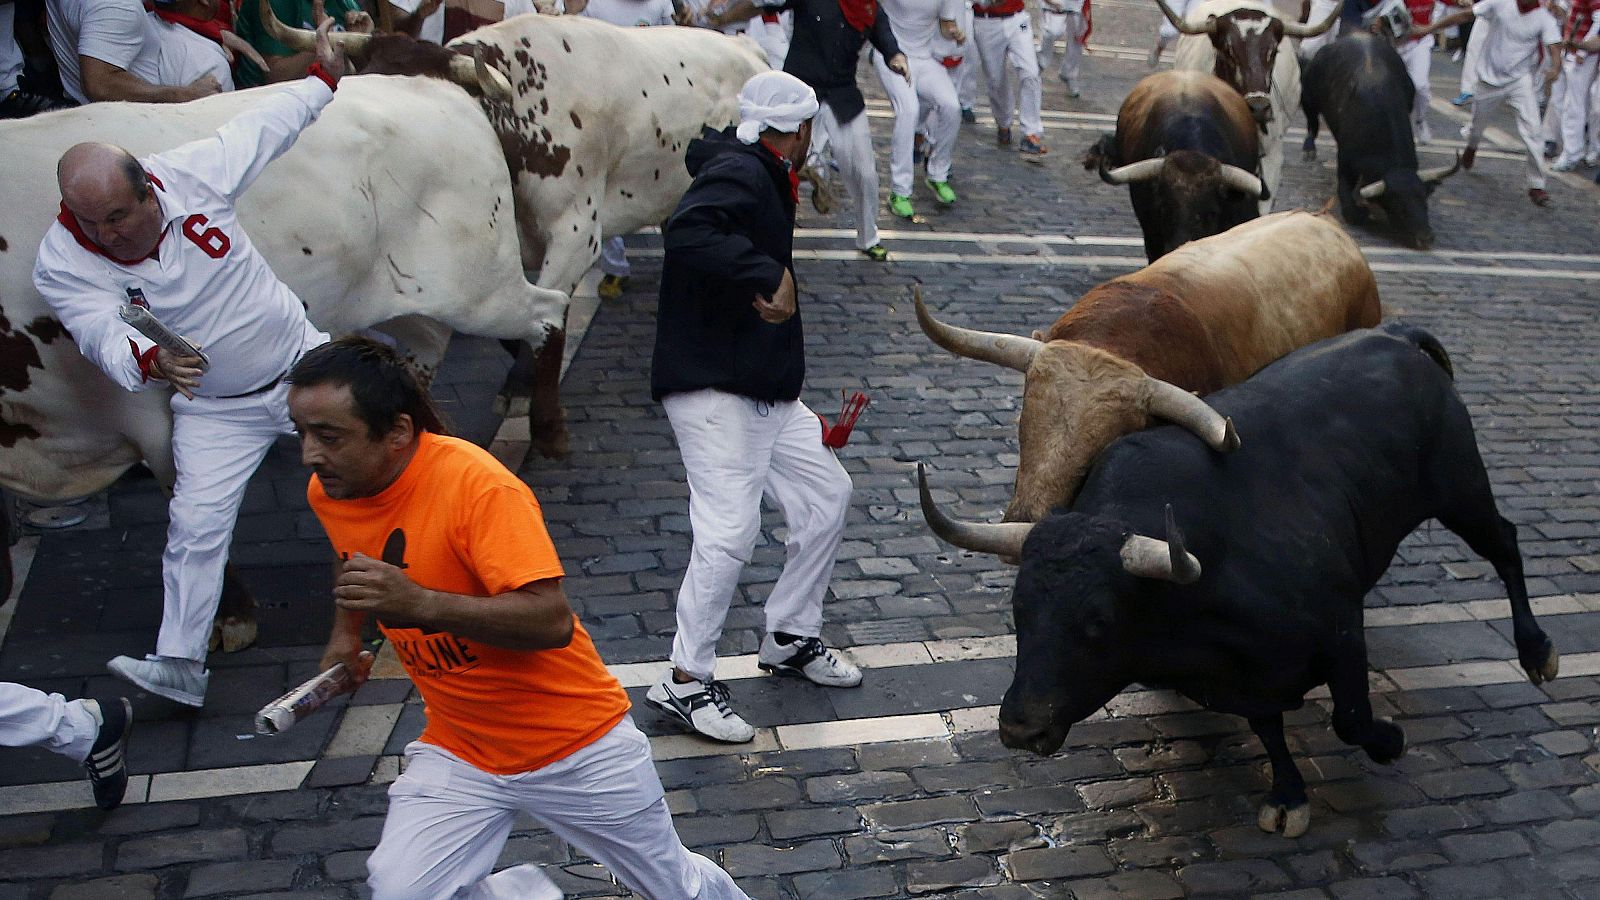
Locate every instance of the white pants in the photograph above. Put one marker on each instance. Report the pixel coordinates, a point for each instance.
(1469, 62)
(1418, 58)
(448, 822)
(966, 75)
(1004, 45)
(851, 146)
(1319, 11)
(1062, 26)
(30, 718)
(1550, 125)
(1486, 99)
(217, 445)
(1576, 109)
(773, 38)
(735, 450)
(929, 100)
(614, 258)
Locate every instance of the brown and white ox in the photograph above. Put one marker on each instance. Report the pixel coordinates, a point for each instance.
(1202, 317)
(594, 132)
(393, 209)
(1250, 45)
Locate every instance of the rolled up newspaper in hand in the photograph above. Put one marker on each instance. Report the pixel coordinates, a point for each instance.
(281, 714)
(165, 338)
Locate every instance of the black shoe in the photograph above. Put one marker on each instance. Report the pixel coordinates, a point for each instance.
(107, 763)
(1550, 150)
(968, 115)
(21, 104)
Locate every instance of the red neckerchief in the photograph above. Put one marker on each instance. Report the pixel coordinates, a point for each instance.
(1088, 25)
(859, 13)
(70, 222)
(788, 168)
(210, 29)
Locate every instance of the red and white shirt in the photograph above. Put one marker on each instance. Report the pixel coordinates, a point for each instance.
(205, 281)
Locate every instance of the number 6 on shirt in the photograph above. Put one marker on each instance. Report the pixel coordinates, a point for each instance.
(212, 240)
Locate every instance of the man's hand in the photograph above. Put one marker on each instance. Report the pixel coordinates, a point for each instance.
(183, 372)
(329, 56)
(349, 652)
(952, 31)
(897, 64)
(204, 86)
(372, 585)
(780, 306)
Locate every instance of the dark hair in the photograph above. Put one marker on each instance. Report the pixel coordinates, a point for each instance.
(381, 383)
(138, 179)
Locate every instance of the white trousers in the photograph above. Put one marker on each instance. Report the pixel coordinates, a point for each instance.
(1418, 58)
(851, 146)
(966, 75)
(1577, 108)
(929, 101)
(614, 258)
(448, 822)
(1519, 93)
(1309, 46)
(773, 38)
(735, 450)
(1062, 26)
(1469, 62)
(1006, 45)
(30, 718)
(217, 444)
(1550, 124)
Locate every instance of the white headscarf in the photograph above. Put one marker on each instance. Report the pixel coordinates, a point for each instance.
(774, 100)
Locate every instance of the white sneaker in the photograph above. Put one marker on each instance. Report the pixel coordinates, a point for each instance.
(808, 658)
(703, 707)
(1424, 133)
(164, 676)
(1563, 165)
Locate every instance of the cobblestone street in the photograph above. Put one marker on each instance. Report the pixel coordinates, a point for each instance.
(900, 788)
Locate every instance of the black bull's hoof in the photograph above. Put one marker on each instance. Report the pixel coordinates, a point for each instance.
(1541, 662)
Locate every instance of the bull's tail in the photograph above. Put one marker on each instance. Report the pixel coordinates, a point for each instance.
(1425, 342)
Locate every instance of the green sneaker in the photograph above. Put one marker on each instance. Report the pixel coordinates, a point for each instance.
(901, 206)
(943, 191)
(876, 253)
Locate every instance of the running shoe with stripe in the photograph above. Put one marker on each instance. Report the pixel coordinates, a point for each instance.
(808, 658)
(107, 759)
(702, 707)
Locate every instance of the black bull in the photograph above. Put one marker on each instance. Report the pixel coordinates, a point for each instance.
(1360, 86)
(1347, 446)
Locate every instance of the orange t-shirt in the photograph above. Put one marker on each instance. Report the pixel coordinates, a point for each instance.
(457, 521)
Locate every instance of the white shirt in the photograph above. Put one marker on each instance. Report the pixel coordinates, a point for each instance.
(1072, 6)
(1512, 48)
(629, 13)
(10, 53)
(118, 32)
(208, 282)
(916, 22)
(186, 56)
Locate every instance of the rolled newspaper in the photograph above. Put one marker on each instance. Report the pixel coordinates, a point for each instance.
(281, 714)
(165, 338)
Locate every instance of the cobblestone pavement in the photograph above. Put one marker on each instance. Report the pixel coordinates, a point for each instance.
(900, 788)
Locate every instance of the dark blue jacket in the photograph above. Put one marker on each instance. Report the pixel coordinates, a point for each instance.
(730, 238)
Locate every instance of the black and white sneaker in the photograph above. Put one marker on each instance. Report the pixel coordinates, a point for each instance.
(808, 658)
(107, 762)
(702, 706)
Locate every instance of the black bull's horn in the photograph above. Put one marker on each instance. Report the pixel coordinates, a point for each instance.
(469, 73)
(1142, 557)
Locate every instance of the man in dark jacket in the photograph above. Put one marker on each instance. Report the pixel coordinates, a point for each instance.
(729, 363)
(828, 35)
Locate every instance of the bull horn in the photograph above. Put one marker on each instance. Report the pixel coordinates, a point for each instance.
(1001, 349)
(1004, 539)
(1298, 30)
(1167, 560)
(1242, 181)
(476, 73)
(1176, 405)
(1183, 26)
(1374, 190)
(1439, 174)
(300, 39)
(1143, 170)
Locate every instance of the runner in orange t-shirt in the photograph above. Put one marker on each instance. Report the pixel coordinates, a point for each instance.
(447, 550)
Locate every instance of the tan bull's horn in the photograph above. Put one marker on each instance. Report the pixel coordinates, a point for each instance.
(1001, 349)
(1374, 190)
(1183, 26)
(1166, 560)
(1440, 173)
(1004, 539)
(1242, 181)
(1298, 30)
(300, 39)
(1143, 170)
(476, 73)
(1176, 405)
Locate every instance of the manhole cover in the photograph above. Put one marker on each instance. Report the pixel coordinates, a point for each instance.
(57, 517)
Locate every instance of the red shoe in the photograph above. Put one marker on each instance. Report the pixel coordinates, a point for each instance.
(1539, 196)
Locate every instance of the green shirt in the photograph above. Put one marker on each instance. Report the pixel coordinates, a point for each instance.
(294, 13)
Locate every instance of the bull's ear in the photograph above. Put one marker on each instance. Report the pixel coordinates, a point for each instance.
(1038, 335)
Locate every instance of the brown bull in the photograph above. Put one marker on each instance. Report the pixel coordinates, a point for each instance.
(1202, 317)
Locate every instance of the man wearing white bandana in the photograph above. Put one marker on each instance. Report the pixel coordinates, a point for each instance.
(729, 364)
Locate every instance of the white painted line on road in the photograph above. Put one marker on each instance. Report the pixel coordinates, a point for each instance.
(851, 732)
(228, 782)
(363, 731)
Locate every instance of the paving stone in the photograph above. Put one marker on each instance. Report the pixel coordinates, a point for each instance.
(1108, 794)
(1429, 820)
(1466, 881)
(1142, 851)
(1570, 835)
(755, 859)
(851, 885)
(25, 831)
(790, 824)
(147, 817)
(1028, 801)
(965, 777)
(706, 831)
(329, 773)
(1484, 847)
(906, 754)
(1548, 773)
(1382, 857)
(254, 875)
(1373, 889)
(857, 786)
(120, 887)
(1526, 806)
(968, 871)
(892, 846)
(1450, 785)
(1058, 862)
(1234, 877)
(347, 865)
(1129, 885)
(357, 834)
(918, 813)
(985, 837)
(182, 847)
(758, 794)
(51, 862)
